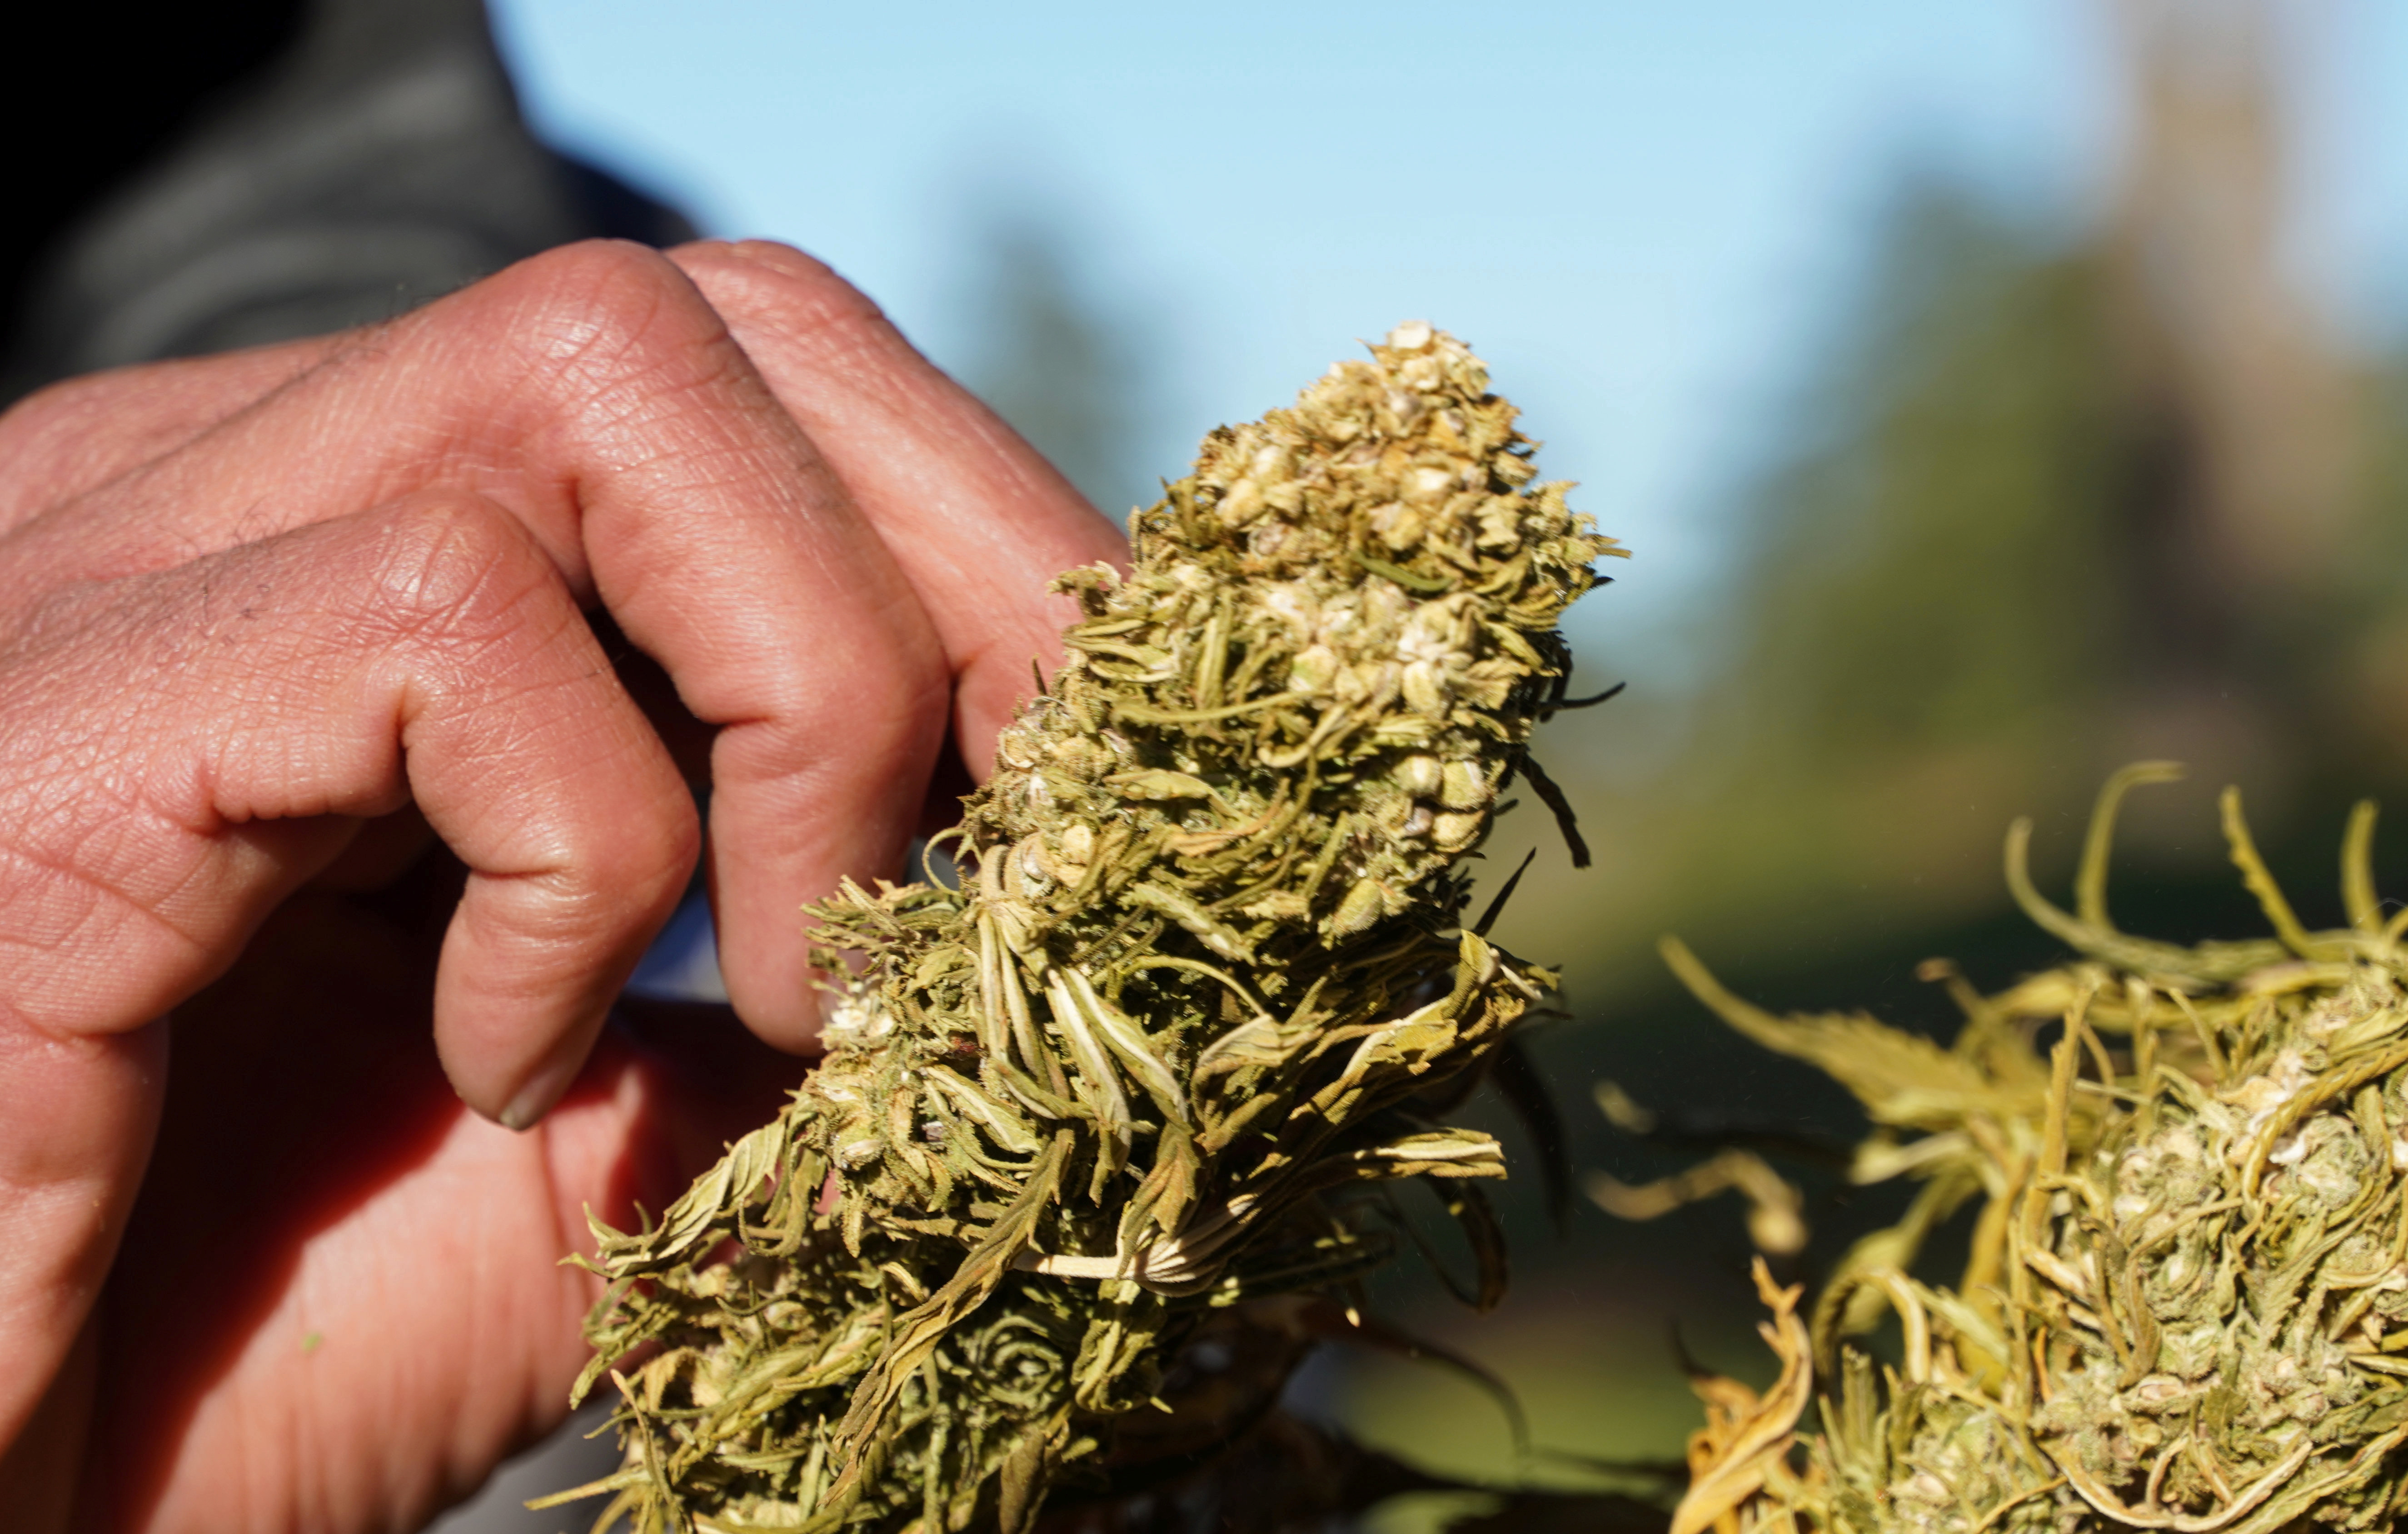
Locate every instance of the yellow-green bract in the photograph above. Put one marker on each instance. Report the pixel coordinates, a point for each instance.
(1203, 974)
(2186, 1297)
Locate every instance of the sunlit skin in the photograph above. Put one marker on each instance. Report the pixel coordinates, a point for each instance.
(351, 695)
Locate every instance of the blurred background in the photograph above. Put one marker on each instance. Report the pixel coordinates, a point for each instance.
(1990, 393)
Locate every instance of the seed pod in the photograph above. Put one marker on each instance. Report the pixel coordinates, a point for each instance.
(1203, 975)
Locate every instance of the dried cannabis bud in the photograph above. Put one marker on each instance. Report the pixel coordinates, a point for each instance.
(2187, 1300)
(1203, 973)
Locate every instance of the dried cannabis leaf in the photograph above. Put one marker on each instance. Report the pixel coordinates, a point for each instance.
(1746, 1436)
(2187, 1300)
(1203, 975)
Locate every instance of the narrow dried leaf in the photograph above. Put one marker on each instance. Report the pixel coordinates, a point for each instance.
(1060, 1125)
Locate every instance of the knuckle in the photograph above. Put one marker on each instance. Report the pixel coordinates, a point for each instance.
(87, 402)
(608, 873)
(879, 725)
(70, 406)
(803, 293)
(910, 718)
(613, 337)
(603, 308)
(455, 567)
(47, 438)
(601, 272)
(775, 257)
(655, 854)
(881, 686)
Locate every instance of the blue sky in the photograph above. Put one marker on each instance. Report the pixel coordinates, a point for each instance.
(1641, 213)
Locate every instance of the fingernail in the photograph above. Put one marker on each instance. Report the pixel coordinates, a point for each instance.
(544, 1088)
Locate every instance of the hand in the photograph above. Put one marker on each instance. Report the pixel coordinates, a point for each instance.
(311, 731)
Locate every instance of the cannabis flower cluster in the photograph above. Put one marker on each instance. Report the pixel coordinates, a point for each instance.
(2185, 1303)
(1203, 973)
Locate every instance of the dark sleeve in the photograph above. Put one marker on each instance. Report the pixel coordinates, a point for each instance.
(236, 173)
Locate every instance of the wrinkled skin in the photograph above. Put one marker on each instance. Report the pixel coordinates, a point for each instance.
(350, 692)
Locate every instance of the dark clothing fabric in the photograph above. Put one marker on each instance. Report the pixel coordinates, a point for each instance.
(264, 170)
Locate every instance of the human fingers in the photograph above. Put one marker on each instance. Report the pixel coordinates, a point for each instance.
(977, 519)
(267, 1363)
(187, 747)
(594, 394)
(242, 712)
(73, 436)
